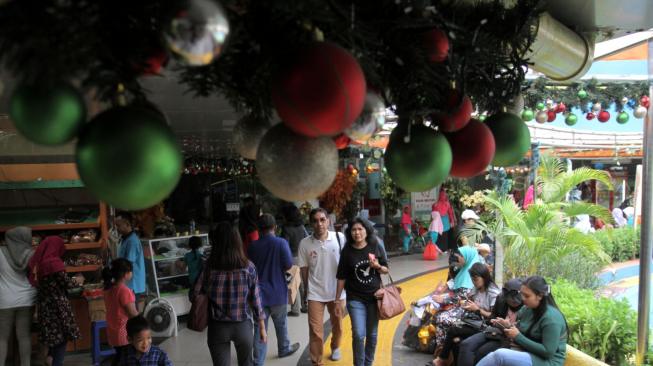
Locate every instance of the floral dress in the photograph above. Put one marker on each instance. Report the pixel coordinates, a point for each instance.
(446, 319)
(55, 314)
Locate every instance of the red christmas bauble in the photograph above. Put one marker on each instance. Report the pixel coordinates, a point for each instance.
(342, 141)
(645, 101)
(561, 108)
(604, 116)
(320, 91)
(550, 116)
(436, 44)
(590, 116)
(473, 149)
(459, 112)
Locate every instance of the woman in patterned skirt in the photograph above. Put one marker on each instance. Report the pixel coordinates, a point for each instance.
(55, 314)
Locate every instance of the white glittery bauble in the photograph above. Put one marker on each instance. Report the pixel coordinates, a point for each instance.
(370, 120)
(517, 105)
(247, 135)
(198, 35)
(596, 107)
(624, 100)
(295, 167)
(541, 117)
(640, 112)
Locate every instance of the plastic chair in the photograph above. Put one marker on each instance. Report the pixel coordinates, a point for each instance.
(97, 353)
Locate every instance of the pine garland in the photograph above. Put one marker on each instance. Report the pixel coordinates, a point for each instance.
(103, 43)
(539, 90)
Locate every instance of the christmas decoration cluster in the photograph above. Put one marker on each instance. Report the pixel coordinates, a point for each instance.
(327, 69)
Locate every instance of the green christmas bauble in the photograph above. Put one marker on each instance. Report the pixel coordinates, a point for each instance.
(418, 161)
(582, 94)
(47, 115)
(482, 117)
(622, 118)
(511, 136)
(527, 115)
(128, 157)
(571, 119)
(540, 106)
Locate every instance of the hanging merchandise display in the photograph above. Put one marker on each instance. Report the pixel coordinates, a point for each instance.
(319, 91)
(247, 135)
(511, 136)
(294, 167)
(472, 148)
(571, 119)
(47, 114)
(417, 158)
(128, 158)
(198, 34)
(370, 121)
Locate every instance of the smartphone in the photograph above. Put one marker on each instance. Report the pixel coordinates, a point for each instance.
(371, 256)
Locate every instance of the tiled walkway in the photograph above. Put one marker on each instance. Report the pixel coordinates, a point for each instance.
(189, 347)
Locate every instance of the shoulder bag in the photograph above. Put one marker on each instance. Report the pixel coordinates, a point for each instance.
(198, 317)
(388, 300)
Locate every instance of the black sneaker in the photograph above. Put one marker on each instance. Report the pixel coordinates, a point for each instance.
(304, 310)
(293, 348)
(292, 313)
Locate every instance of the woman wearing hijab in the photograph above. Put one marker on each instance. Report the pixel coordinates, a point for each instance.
(630, 215)
(16, 294)
(462, 287)
(55, 314)
(448, 218)
(619, 217)
(406, 223)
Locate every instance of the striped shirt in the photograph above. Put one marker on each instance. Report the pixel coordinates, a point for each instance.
(235, 294)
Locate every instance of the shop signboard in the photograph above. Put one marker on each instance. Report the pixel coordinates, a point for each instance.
(421, 202)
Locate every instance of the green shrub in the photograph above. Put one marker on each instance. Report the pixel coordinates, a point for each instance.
(603, 328)
(578, 268)
(620, 244)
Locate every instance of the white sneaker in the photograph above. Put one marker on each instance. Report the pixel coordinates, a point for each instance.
(335, 355)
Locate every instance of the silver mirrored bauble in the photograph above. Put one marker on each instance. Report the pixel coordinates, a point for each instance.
(596, 107)
(198, 35)
(541, 117)
(370, 121)
(640, 112)
(624, 100)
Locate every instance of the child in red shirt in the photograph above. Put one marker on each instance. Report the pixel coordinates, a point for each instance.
(120, 303)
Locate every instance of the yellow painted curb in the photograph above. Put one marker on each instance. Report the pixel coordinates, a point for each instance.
(411, 290)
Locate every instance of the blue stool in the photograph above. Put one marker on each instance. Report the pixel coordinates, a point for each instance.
(97, 353)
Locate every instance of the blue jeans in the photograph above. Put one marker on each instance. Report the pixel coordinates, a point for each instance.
(506, 357)
(364, 326)
(279, 316)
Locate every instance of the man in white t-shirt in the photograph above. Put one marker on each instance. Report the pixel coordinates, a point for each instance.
(318, 259)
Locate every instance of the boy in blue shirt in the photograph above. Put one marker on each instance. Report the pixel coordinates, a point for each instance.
(140, 351)
(131, 249)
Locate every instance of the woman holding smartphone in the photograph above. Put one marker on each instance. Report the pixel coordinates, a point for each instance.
(362, 262)
(540, 336)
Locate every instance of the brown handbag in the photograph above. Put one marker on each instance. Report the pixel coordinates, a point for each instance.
(388, 300)
(198, 317)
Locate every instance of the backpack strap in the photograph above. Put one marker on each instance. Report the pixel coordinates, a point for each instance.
(338, 239)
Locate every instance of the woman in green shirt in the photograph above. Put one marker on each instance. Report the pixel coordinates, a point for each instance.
(540, 336)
